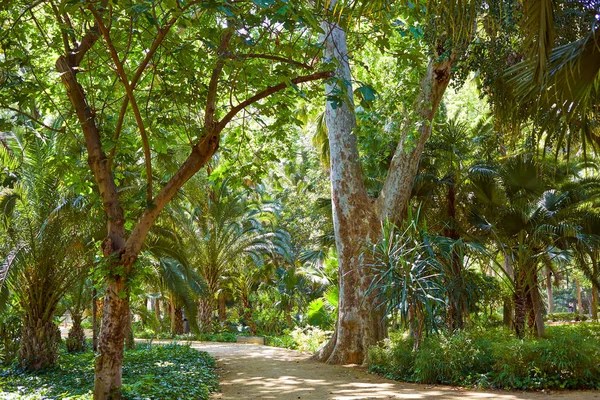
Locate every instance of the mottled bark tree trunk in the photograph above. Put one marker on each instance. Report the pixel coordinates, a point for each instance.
(357, 218)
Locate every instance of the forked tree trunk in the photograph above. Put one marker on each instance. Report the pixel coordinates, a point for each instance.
(360, 323)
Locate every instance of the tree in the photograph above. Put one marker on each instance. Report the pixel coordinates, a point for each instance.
(45, 253)
(357, 217)
(123, 67)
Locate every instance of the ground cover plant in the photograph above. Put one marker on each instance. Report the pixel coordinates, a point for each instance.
(495, 358)
(149, 372)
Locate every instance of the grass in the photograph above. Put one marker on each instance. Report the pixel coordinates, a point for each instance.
(566, 359)
(156, 372)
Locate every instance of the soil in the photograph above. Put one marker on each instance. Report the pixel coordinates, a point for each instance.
(261, 372)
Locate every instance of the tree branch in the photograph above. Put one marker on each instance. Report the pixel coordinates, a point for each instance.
(267, 92)
(211, 97)
(274, 58)
(31, 117)
(132, 100)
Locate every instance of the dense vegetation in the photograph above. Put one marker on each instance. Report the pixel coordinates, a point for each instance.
(149, 372)
(325, 174)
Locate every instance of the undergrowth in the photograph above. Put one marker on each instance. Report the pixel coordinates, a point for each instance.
(566, 359)
(149, 372)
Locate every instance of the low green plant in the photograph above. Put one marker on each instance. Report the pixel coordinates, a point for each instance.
(566, 317)
(307, 339)
(149, 372)
(495, 358)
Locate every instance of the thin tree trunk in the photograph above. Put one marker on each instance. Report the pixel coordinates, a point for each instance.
(130, 339)
(247, 312)
(157, 311)
(95, 327)
(594, 303)
(579, 302)
(549, 290)
(538, 309)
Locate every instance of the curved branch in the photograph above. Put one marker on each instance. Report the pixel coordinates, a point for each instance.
(267, 92)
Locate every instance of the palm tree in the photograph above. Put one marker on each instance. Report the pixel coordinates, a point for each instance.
(223, 232)
(43, 223)
(529, 221)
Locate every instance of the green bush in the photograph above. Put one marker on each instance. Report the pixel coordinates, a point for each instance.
(156, 372)
(567, 358)
(566, 317)
(203, 337)
(307, 339)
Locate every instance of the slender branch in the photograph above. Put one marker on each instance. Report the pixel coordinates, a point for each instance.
(31, 117)
(274, 58)
(267, 92)
(211, 97)
(132, 100)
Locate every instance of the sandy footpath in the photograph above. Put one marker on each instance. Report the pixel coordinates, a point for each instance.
(260, 372)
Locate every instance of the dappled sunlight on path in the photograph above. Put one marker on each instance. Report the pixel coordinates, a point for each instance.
(262, 372)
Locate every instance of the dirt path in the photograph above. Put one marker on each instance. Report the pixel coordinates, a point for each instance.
(260, 372)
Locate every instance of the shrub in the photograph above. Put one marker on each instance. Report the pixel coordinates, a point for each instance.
(566, 317)
(567, 358)
(307, 339)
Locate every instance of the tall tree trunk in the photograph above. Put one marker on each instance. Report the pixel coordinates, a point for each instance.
(157, 311)
(455, 284)
(357, 218)
(538, 308)
(520, 303)
(360, 323)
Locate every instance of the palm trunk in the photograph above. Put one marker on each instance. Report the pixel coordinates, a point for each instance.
(76, 341)
(520, 304)
(222, 307)
(157, 311)
(248, 313)
(205, 313)
(538, 309)
(176, 320)
(39, 340)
